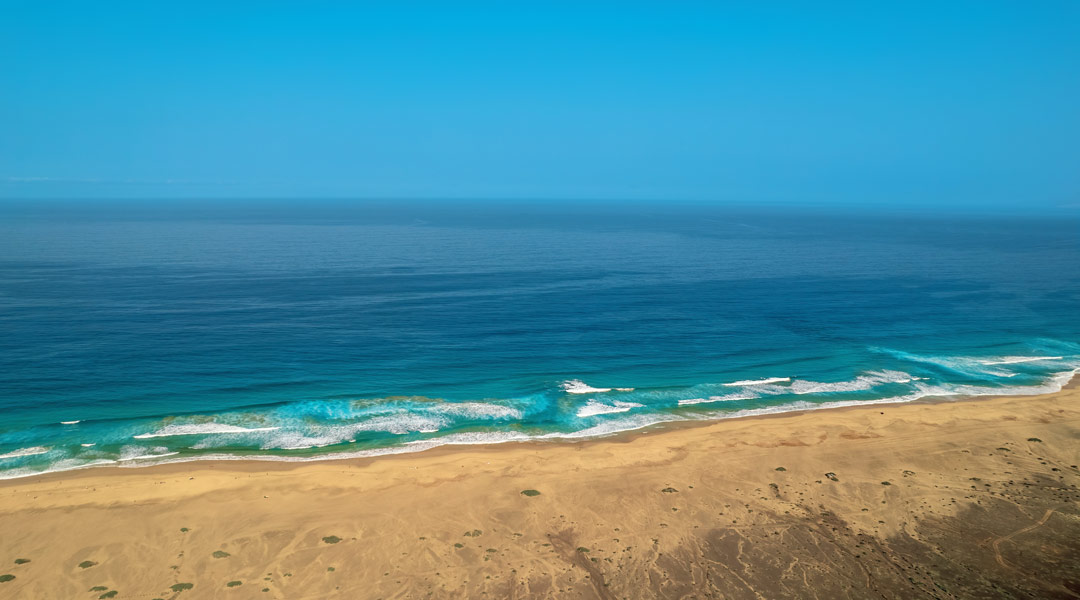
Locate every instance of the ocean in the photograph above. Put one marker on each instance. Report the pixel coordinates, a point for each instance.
(136, 333)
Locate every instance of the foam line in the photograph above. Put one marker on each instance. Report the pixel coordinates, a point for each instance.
(710, 399)
(199, 429)
(403, 421)
(32, 451)
(1012, 360)
(577, 386)
(766, 381)
(592, 408)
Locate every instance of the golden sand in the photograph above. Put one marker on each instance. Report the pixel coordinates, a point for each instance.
(947, 500)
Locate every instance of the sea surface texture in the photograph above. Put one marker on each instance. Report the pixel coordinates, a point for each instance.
(151, 332)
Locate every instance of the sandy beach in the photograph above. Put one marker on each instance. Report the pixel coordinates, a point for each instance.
(960, 499)
(539, 300)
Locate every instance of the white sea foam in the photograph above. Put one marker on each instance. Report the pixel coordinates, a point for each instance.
(577, 386)
(199, 429)
(400, 423)
(476, 410)
(802, 405)
(294, 440)
(472, 438)
(32, 451)
(612, 426)
(130, 453)
(147, 456)
(615, 425)
(863, 382)
(765, 410)
(58, 467)
(466, 438)
(1012, 360)
(724, 398)
(592, 407)
(967, 365)
(787, 385)
(766, 381)
(1053, 384)
(69, 422)
(88, 445)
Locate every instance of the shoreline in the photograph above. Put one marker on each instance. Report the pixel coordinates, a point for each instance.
(257, 463)
(882, 500)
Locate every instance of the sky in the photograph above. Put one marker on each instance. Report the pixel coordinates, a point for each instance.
(920, 104)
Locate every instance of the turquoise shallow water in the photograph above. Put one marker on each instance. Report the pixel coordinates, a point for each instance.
(295, 331)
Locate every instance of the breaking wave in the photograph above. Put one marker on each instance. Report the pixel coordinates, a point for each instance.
(199, 429)
(592, 408)
(331, 429)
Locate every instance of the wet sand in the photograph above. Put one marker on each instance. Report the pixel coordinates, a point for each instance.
(932, 500)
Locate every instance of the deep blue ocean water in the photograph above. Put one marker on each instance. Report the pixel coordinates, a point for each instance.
(145, 332)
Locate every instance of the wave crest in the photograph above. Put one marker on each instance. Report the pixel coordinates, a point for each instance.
(577, 386)
(592, 408)
(32, 451)
(752, 382)
(199, 429)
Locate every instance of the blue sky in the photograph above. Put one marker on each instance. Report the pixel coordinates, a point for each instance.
(972, 104)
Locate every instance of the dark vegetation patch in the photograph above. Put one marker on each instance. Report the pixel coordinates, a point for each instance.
(530, 493)
(821, 551)
(331, 539)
